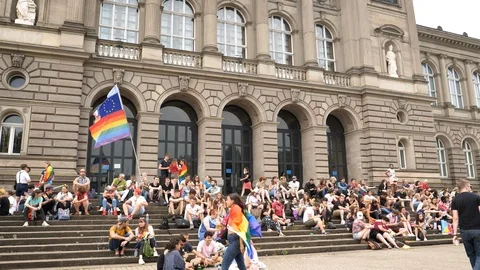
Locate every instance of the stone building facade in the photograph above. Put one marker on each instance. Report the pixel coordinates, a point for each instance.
(294, 86)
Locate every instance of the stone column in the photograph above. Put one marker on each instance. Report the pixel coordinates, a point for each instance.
(210, 26)
(152, 21)
(147, 142)
(90, 15)
(265, 149)
(471, 97)
(75, 11)
(314, 152)
(308, 25)
(210, 148)
(445, 95)
(261, 20)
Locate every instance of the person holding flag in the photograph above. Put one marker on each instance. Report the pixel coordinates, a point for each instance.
(241, 228)
(47, 177)
(183, 171)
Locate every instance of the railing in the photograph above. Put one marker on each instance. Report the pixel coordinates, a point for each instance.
(336, 79)
(182, 58)
(290, 73)
(113, 49)
(238, 65)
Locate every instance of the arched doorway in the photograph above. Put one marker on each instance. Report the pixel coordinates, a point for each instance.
(289, 145)
(236, 146)
(177, 133)
(106, 162)
(337, 155)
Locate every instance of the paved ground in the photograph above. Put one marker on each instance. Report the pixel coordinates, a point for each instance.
(421, 258)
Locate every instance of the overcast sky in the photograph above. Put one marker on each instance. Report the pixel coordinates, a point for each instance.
(455, 16)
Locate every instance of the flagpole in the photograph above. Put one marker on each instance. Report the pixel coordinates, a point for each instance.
(135, 153)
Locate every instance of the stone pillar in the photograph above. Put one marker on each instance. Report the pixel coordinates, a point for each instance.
(265, 149)
(152, 21)
(308, 26)
(210, 148)
(445, 95)
(262, 29)
(471, 98)
(90, 15)
(75, 11)
(314, 152)
(210, 26)
(147, 142)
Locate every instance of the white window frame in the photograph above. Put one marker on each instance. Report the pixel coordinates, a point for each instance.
(442, 158)
(116, 5)
(284, 32)
(184, 16)
(222, 44)
(323, 41)
(454, 85)
(402, 155)
(476, 86)
(429, 76)
(12, 127)
(469, 163)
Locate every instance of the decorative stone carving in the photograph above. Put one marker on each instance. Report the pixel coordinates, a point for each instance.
(118, 75)
(17, 60)
(295, 95)
(183, 81)
(242, 89)
(391, 62)
(25, 110)
(402, 103)
(342, 100)
(279, 6)
(26, 12)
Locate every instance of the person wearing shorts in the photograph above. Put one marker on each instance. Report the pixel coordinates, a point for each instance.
(22, 180)
(176, 204)
(135, 205)
(247, 181)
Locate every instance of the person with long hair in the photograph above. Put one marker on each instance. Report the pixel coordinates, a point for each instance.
(246, 180)
(182, 173)
(173, 260)
(173, 168)
(144, 233)
(236, 219)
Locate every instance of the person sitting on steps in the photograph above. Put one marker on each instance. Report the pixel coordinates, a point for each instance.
(110, 200)
(135, 205)
(33, 208)
(311, 220)
(176, 204)
(81, 200)
(120, 235)
(144, 230)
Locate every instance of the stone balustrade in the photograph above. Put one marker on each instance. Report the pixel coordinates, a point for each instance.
(115, 49)
(182, 58)
(238, 65)
(335, 78)
(290, 72)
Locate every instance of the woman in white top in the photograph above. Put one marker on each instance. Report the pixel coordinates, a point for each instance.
(253, 200)
(144, 233)
(64, 198)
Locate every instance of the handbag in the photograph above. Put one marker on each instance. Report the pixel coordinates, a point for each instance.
(63, 214)
(147, 249)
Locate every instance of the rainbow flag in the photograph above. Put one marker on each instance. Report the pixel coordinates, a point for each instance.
(182, 173)
(244, 227)
(446, 227)
(110, 120)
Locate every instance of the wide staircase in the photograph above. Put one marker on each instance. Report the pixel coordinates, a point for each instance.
(82, 241)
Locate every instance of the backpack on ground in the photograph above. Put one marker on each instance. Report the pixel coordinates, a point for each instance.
(164, 225)
(331, 226)
(63, 214)
(374, 245)
(181, 223)
(147, 249)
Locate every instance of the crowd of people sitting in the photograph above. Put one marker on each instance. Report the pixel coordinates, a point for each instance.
(373, 214)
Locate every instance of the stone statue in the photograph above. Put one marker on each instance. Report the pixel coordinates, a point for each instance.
(391, 62)
(26, 12)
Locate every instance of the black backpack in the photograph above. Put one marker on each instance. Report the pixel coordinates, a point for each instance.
(164, 224)
(181, 223)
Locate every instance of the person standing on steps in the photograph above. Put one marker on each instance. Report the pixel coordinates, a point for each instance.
(247, 181)
(164, 166)
(466, 216)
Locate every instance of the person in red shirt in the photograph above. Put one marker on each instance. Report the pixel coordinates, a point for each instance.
(81, 199)
(278, 208)
(424, 185)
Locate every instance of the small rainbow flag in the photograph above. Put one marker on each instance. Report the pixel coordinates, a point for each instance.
(183, 173)
(110, 120)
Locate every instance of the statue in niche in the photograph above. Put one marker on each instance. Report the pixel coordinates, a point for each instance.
(391, 62)
(26, 12)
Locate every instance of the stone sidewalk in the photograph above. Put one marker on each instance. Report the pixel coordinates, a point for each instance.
(421, 258)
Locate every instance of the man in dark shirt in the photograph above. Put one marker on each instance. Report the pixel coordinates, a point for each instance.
(466, 215)
(340, 208)
(164, 166)
(310, 188)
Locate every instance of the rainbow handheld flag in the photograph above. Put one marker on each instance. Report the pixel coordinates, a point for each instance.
(182, 173)
(110, 120)
(244, 227)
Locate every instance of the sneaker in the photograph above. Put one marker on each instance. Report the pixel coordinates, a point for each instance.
(141, 261)
(417, 239)
(117, 209)
(324, 232)
(25, 224)
(104, 212)
(281, 234)
(45, 224)
(115, 212)
(406, 247)
(425, 239)
(269, 230)
(155, 253)
(101, 209)
(342, 222)
(411, 234)
(191, 226)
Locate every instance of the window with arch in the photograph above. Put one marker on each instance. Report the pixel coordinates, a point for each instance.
(430, 78)
(468, 151)
(231, 32)
(280, 36)
(455, 88)
(11, 133)
(178, 25)
(442, 158)
(402, 155)
(119, 20)
(476, 84)
(325, 52)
